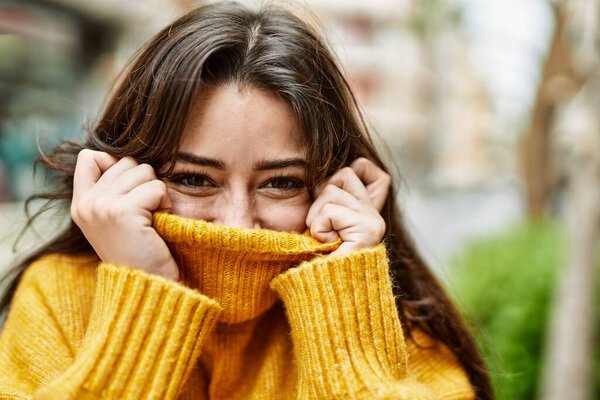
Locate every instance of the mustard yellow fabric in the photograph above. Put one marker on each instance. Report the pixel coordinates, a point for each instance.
(257, 314)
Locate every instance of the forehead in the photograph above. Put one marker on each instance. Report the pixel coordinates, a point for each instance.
(230, 123)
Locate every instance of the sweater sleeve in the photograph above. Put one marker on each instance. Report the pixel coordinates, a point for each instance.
(347, 336)
(143, 337)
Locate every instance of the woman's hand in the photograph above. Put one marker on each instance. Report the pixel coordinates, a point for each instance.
(348, 206)
(112, 204)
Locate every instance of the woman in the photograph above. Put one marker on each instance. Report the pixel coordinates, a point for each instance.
(234, 235)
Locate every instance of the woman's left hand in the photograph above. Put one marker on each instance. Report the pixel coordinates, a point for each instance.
(348, 206)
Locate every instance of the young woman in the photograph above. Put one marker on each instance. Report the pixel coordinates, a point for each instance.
(234, 235)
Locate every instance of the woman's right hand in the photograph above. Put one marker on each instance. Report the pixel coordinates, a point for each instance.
(112, 204)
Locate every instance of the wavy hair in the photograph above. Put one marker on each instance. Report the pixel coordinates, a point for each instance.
(270, 48)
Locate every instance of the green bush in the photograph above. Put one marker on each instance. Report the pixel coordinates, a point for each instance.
(504, 287)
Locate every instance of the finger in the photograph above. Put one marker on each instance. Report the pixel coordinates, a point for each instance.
(89, 169)
(347, 180)
(376, 180)
(133, 177)
(322, 229)
(165, 204)
(108, 179)
(151, 196)
(331, 222)
(335, 195)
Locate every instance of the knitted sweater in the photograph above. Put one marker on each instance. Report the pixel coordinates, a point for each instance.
(257, 314)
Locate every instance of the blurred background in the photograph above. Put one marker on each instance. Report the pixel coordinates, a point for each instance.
(490, 108)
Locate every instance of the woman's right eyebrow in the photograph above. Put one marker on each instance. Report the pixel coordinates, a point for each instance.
(266, 165)
(198, 160)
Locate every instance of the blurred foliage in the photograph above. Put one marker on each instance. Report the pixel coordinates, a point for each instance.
(505, 284)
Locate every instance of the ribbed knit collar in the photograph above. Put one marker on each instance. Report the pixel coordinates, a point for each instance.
(234, 265)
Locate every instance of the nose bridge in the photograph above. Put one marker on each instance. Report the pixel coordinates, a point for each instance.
(238, 210)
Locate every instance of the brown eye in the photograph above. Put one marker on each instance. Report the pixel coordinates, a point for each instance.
(285, 183)
(191, 180)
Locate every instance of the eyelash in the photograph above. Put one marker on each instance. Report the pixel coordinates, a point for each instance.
(179, 178)
(296, 183)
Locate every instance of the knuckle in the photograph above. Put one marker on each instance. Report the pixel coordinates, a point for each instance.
(316, 226)
(159, 185)
(79, 212)
(146, 169)
(360, 161)
(328, 208)
(94, 208)
(347, 172)
(128, 160)
(365, 161)
(113, 211)
(85, 154)
(330, 189)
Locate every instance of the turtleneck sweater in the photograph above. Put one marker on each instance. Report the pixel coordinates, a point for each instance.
(256, 314)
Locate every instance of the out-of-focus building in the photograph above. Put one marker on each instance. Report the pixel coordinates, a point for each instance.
(57, 58)
(57, 61)
(410, 66)
(408, 62)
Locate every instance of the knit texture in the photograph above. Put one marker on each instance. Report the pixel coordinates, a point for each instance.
(234, 265)
(257, 314)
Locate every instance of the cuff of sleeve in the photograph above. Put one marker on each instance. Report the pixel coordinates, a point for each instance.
(144, 336)
(342, 313)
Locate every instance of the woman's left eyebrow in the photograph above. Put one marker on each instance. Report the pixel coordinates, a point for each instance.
(277, 164)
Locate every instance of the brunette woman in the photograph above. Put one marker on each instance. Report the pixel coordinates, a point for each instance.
(234, 235)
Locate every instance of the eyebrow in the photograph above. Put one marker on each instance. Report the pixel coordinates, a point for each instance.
(277, 164)
(263, 165)
(203, 161)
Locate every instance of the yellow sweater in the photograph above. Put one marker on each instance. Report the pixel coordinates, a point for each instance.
(258, 314)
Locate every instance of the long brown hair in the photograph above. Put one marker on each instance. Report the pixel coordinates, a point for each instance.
(273, 49)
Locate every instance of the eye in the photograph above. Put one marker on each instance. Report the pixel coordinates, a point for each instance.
(191, 180)
(285, 183)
